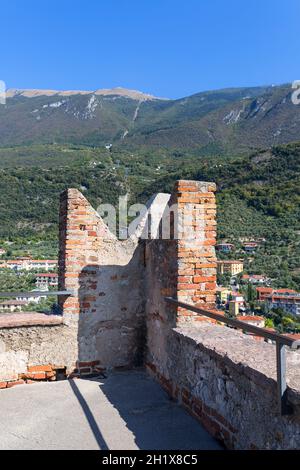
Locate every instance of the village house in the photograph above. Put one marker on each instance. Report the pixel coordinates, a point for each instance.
(254, 320)
(287, 299)
(12, 305)
(255, 278)
(45, 280)
(289, 302)
(224, 247)
(223, 294)
(233, 267)
(236, 303)
(48, 264)
(16, 265)
(250, 247)
(265, 292)
(34, 299)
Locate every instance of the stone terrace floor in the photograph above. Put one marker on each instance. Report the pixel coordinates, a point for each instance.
(127, 410)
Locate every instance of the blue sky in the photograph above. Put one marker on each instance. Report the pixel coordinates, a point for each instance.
(170, 48)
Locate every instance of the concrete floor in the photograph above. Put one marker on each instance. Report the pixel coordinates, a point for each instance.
(127, 410)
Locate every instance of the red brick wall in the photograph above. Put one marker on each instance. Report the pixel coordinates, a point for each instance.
(196, 281)
(81, 231)
(184, 267)
(189, 267)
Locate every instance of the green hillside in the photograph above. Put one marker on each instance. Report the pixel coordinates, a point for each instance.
(258, 196)
(50, 143)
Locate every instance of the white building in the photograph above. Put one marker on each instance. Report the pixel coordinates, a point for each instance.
(12, 305)
(28, 264)
(33, 299)
(46, 280)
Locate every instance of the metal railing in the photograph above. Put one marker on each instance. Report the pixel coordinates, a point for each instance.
(280, 340)
(47, 293)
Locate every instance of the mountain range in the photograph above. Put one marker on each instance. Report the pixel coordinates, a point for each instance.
(235, 120)
(244, 139)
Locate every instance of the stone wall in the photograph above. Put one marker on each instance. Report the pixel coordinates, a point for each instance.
(227, 380)
(48, 344)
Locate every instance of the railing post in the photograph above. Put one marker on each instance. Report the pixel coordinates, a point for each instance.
(284, 408)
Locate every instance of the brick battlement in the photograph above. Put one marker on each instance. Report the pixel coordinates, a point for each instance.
(113, 281)
(118, 318)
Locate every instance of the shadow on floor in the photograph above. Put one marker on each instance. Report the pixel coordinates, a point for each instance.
(155, 421)
(89, 416)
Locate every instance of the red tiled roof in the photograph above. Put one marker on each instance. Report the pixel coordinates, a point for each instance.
(44, 261)
(283, 291)
(254, 276)
(229, 261)
(284, 297)
(250, 318)
(294, 336)
(278, 293)
(47, 275)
